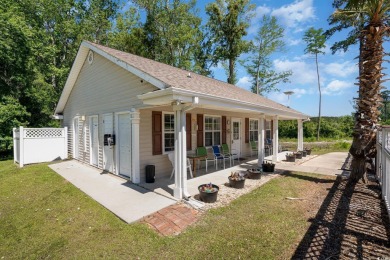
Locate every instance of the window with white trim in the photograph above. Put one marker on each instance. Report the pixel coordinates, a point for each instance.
(267, 129)
(253, 130)
(212, 130)
(169, 132)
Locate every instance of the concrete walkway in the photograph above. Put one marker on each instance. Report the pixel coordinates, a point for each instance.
(329, 164)
(126, 200)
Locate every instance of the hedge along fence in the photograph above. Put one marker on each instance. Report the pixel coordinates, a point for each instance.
(36, 145)
(6, 147)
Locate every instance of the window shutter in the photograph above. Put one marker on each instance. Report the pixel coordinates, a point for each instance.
(199, 133)
(157, 132)
(188, 132)
(246, 130)
(224, 129)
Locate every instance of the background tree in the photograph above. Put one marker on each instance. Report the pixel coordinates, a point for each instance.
(385, 109)
(315, 40)
(269, 39)
(227, 25)
(128, 35)
(173, 32)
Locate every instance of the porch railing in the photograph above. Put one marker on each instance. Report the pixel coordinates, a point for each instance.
(383, 163)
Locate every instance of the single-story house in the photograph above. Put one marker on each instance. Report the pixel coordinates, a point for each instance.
(124, 112)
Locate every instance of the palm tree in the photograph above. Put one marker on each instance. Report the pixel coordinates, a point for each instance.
(374, 29)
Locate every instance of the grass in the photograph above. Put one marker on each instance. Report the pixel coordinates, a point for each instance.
(44, 216)
(319, 148)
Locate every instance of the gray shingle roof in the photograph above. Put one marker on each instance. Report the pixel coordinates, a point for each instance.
(178, 78)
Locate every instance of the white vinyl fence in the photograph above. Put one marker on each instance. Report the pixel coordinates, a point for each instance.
(383, 163)
(36, 145)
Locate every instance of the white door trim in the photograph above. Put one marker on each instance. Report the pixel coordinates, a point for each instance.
(235, 119)
(75, 151)
(116, 131)
(90, 119)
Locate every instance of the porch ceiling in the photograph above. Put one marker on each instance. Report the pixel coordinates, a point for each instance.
(200, 100)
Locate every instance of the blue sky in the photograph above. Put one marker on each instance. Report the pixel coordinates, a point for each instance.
(338, 72)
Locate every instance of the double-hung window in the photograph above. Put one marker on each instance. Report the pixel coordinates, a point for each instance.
(169, 132)
(268, 130)
(212, 129)
(253, 130)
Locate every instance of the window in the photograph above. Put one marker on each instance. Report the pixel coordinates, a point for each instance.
(268, 129)
(253, 130)
(212, 129)
(169, 132)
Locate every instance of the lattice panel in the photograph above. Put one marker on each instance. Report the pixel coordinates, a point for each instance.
(43, 133)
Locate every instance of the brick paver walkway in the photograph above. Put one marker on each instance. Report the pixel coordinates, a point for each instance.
(172, 220)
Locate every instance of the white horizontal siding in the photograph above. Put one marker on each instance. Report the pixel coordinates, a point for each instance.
(101, 87)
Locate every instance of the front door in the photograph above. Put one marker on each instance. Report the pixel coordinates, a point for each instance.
(108, 148)
(94, 139)
(124, 145)
(76, 138)
(236, 136)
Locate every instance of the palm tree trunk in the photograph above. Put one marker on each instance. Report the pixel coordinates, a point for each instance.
(319, 106)
(366, 119)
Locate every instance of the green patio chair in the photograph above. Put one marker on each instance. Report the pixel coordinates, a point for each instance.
(226, 152)
(254, 149)
(202, 151)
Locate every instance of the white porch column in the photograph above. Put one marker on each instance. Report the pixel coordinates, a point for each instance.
(275, 140)
(300, 134)
(135, 169)
(260, 144)
(180, 189)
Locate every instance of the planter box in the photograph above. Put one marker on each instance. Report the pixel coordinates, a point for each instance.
(308, 151)
(298, 155)
(290, 158)
(208, 197)
(303, 153)
(254, 174)
(268, 167)
(237, 184)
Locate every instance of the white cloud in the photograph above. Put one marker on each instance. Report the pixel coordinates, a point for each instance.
(303, 73)
(259, 12)
(296, 13)
(244, 82)
(336, 87)
(344, 69)
(293, 42)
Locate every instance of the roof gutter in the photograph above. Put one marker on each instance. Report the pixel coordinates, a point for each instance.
(205, 99)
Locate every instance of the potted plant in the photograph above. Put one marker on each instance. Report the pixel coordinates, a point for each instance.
(298, 155)
(237, 180)
(268, 166)
(208, 192)
(254, 173)
(308, 151)
(290, 157)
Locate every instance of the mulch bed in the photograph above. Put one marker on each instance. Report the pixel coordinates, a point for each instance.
(352, 223)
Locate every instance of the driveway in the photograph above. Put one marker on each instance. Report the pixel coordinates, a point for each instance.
(126, 200)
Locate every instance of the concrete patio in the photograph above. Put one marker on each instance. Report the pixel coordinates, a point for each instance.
(132, 202)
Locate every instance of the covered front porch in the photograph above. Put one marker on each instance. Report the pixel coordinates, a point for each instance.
(165, 185)
(183, 102)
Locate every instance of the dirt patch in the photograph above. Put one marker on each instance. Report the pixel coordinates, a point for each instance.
(350, 223)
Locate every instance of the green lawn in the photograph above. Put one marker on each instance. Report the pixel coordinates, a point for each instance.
(44, 216)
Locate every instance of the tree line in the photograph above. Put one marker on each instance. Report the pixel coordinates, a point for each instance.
(39, 40)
